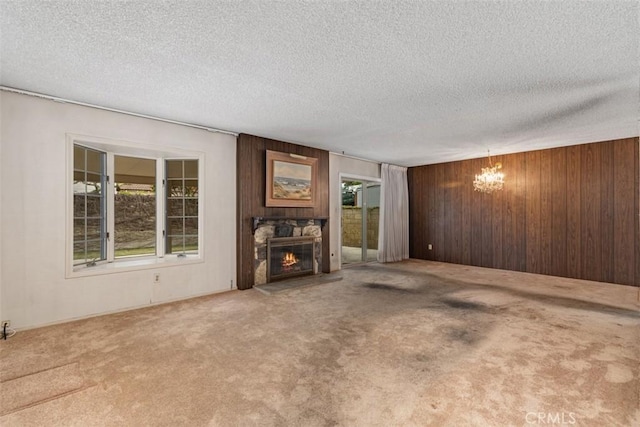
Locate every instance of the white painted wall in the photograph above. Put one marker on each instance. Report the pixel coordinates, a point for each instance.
(348, 166)
(33, 287)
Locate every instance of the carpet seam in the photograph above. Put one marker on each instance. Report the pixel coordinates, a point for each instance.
(48, 399)
(37, 372)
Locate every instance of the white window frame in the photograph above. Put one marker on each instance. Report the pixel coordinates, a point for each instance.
(126, 148)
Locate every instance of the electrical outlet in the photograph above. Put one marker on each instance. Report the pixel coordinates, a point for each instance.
(6, 323)
(156, 277)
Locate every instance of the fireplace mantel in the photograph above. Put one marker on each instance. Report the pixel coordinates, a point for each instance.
(258, 219)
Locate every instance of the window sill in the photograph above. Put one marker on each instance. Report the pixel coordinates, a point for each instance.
(132, 264)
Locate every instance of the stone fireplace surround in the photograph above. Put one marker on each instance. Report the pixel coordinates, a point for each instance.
(266, 228)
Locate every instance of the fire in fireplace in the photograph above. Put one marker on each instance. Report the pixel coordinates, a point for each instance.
(289, 261)
(290, 256)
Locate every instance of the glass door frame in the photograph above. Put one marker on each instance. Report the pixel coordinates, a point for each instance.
(364, 180)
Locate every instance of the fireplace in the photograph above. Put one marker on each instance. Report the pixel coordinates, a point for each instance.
(289, 257)
(294, 232)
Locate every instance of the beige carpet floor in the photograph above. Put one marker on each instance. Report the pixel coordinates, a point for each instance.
(412, 343)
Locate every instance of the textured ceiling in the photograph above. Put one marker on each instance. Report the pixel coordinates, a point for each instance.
(403, 82)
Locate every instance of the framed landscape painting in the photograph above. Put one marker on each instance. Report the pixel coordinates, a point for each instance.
(291, 180)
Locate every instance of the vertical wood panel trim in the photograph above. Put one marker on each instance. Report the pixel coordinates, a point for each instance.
(441, 222)
(574, 248)
(624, 212)
(476, 219)
(466, 206)
(591, 211)
(532, 202)
(509, 215)
(432, 212)
(559, 212)
(521, 225)
(455, 186)
(545, 212)
(606, 212)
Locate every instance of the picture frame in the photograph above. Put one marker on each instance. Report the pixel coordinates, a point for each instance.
(291, 180)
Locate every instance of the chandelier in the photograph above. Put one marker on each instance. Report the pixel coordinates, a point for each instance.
(490, 179)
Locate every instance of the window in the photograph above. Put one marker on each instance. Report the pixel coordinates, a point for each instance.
(132, 204)
(182, 206)
(89, 208)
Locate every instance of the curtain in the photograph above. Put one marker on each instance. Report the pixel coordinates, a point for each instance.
(393, 240)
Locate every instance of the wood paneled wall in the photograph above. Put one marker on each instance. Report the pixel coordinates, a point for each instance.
(570, 211)
(251, 175)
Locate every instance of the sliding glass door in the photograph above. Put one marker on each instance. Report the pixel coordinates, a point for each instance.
(360, 213)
